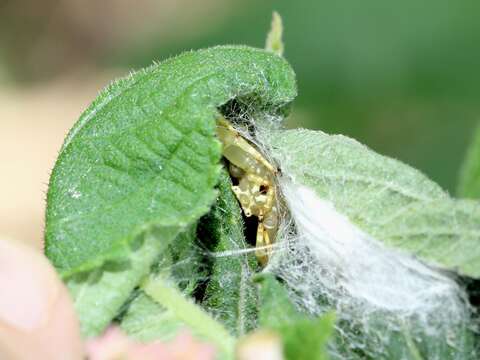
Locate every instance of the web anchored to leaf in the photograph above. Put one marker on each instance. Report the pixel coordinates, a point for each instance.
(367, 260)
(340, 254)
(389, 303)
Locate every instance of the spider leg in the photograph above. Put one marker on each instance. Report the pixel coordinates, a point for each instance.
(263, 239)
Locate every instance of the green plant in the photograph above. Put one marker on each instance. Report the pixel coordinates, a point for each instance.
(146, 232)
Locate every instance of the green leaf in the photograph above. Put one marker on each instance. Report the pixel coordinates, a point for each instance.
(303, 337)
(388, 338)
(163, 292)
(274, 42)
(445, 233)
(99, 294)
(469, 182)
(391, 201)
(140, 167)
(147, 320)
(307, 339)
(276, 309)
(231, 294)
(144, 154)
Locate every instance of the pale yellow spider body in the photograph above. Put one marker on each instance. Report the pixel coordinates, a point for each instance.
(256, 190)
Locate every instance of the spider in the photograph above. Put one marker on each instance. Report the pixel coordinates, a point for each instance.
(256, 191)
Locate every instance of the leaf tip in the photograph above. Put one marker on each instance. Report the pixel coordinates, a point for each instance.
(274, 42)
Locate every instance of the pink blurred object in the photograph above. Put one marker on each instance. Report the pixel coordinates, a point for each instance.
(114, 344)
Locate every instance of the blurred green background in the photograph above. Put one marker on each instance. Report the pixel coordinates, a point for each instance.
(402, 77)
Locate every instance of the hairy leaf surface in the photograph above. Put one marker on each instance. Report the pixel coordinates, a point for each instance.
(144, 154)
(140, 166)
(395, 203)
(231, 294)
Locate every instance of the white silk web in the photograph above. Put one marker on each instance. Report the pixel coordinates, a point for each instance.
(382, 297)
(389, 304)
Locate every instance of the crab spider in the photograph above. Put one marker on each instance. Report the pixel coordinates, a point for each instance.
(256, 191)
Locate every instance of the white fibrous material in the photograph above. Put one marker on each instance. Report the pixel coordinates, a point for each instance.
(389, 305)
(381, 296)
(356, 265)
